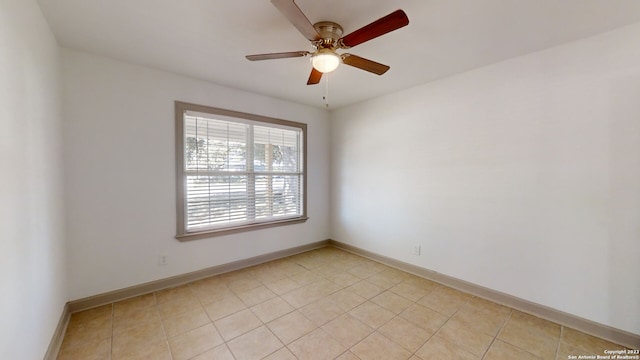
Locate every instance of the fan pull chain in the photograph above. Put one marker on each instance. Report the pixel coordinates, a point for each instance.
(326, 91)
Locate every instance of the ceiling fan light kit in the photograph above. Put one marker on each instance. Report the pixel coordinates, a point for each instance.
(325, 60)
(326, 37)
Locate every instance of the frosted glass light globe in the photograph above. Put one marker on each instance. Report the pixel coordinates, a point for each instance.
(325, 60)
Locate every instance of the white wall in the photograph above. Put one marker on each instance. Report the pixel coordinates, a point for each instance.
(522, 177)
(120, 166)
(32, 271)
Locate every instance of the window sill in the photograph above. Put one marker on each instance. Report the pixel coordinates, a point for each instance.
(237, 229)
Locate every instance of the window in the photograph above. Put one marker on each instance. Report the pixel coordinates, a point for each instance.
(237, 171)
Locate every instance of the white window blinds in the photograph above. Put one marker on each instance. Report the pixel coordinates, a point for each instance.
(240, 172)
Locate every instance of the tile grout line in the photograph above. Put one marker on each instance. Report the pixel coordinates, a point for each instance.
(414, 353)
(202, 306)
(287, 276)
(155, 306)
(414, 302)
(191, 291)
(278, 296)
(497, 334)
(559, 342)
(113, 309)
(521, 348)
(342, 287)
(445, 323)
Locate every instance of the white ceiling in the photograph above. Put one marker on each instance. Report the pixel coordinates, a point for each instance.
(208, 39)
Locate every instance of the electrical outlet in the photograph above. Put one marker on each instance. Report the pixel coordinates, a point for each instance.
(416, 249)
(162, 260)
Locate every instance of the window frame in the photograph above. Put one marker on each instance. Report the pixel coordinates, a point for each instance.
(181, 230)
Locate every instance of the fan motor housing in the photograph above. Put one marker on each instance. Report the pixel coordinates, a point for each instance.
(329, 31)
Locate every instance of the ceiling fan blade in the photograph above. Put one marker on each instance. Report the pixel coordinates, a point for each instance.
(281, 55)
(364, 64)
(314, 77)
(391, 22)
(293, 13)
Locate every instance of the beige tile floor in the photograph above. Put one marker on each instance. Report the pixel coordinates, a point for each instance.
(323, 304)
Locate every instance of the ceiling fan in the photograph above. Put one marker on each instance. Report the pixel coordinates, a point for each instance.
(326, 37)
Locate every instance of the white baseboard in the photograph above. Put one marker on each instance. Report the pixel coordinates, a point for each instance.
(136, 290)
(58, 335)
(602, 331)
